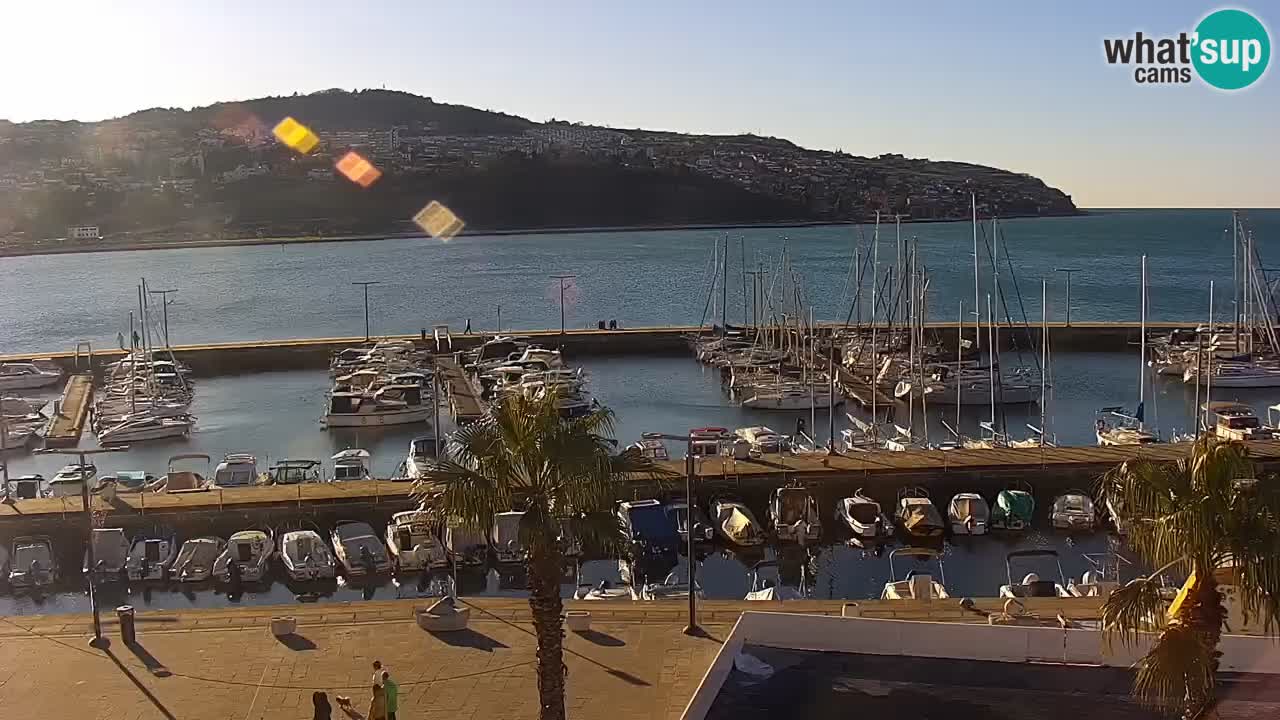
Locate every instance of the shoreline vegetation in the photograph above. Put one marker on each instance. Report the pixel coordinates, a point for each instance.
(68, 247)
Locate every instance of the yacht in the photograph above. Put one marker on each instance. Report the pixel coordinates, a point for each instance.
(251, 551)
(794, 515)
(236, 470)
(180, 480)
(352, 464)
(736, 523)
(915, 585)
(412, 544)
(127, 481)
(1236, 421)
(145, 426)
(1032, 585)
(651, 449)
(505, 537)
(1073, 510)
(465, 546)
(1240, 375)
(867, 523)
(791, 399)
(32, 563)
(71, 479)
(389, 405)
(969, 514)
(110, 553)
(151, 557)
(196, 559)
(358, 549)
(306, 556)
(27, 376)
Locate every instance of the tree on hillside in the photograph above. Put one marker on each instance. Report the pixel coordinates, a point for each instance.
(1206, 515)
(563, 473)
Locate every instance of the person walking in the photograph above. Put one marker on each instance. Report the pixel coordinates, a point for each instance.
(377, 704)
(323, 710)
(392, 691)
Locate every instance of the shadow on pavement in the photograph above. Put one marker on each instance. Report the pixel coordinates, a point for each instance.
(599, 638)
(138, 684)
(468, 638)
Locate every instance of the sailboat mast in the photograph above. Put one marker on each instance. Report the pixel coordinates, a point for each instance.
(991, 368)
(1235, 282)
(742, 247)
(959, 360)
(1044, 350)
(977, 317)
(1142, 347)
(1208, 372)
(724, 288)
(875, 271)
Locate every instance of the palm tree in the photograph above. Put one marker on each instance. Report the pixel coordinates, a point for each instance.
(563, 473)
(1205, 515)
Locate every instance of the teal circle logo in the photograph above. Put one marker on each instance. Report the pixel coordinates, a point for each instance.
(1232, 49)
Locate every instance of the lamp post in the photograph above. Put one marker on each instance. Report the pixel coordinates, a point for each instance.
(1068, 271)
(688, 438)
(562, 279)
(97, 641)
(366, 284)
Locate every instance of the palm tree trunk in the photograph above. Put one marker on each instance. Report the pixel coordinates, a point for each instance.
(545, 603)
(1204, 612)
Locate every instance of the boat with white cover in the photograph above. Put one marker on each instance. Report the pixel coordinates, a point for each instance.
(412, 544)
(358, 549)
(251, 551)
(867, 522)
(306, 556)
(196, 559)
(969, 514)
(1032, 585)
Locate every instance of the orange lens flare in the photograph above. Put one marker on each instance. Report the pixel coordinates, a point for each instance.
(358, 170)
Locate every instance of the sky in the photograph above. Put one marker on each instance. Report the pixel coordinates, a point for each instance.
(1017, 85)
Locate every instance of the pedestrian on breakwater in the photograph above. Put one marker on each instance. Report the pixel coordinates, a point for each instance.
(392, 691)
(468, 330)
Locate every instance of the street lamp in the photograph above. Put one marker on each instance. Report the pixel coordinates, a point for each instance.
(692, 628)
(1068, 271)
(562, 279)
(98, 641)
(366, 284)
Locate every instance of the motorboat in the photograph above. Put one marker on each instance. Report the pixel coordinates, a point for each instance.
(27, 375)
(151, 557)
(295, 472)
(916, 515)
(1013, 510)
(352, 464)
(250, 551)
(306, 556)
(604, 581)
(763, 440)
(465, 545)
(412, 544)
(32, 563)
(794, 515)
(388, 405)
(145, 426)
(15, 436)
(604, 590)
(768, 585)
(867, 523)
(1032, 585)
(27, 487)
(422, 452)
(648, 528)
(651, 449)
(1073, 510)
(1122, 429)
(110, 553)
(196, 559)
(1103, 579)
(128, 481)
(236, 470)
(180, 480)
(969, 514)
(915, 585)
(1236, 421)
(674, 586)
(735, 522)
(17, 407)
(703, 532)
(71, 480)
(505, 537)
(358, 549)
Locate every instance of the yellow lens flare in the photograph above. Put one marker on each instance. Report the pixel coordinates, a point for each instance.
(296, 135)
(439, 221)
(358, 170)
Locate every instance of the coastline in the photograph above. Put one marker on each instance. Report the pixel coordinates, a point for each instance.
(235, 242)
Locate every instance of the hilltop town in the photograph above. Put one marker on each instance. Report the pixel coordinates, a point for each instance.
(217, 172)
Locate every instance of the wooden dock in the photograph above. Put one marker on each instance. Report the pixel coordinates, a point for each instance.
(463, 401)
(65, 427)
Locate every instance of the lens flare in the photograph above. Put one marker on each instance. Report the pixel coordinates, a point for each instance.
(439, 221)
(358, 170)
(296, 135)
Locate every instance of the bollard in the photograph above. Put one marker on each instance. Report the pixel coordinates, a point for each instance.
(128, 633)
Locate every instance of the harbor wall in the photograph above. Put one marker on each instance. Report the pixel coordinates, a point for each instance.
(313, 353)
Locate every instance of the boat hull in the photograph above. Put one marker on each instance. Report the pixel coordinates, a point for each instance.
(398, 417)
(28, 382)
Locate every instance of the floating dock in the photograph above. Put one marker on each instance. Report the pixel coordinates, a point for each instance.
(67, 424)
(463, 401)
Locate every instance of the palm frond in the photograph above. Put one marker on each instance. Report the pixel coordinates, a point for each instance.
(1176, 674)
(1133, 609)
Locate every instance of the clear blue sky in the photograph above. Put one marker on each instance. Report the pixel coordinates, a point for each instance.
(1019, 85)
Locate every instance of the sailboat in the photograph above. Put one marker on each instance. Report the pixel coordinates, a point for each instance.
(1113, 426)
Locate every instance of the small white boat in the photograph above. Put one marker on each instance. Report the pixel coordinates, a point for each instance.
(768, 586)
(358, 549)
(16, 436)
(236, 470)
(145, 426)
(674, 586)
(1032, 585)
(867, 523)
(295, 472)
(181, 480)
(915, 585)
(352, 464)
(651, 450)
(422, 452)
(151, 557)
(1242, 375)
(250, 551)
(916, 514)
(110, 553)
(703, 532)
(969, 514)
(604, 582)
(1236, 421)
(794, 515)
(32, 563)
(71, 479)
(1123, 430)
(196, 559)
(1073, 510)
(505, 536)
(412, 544)
(465, 546)
(128, 481)
(306, 556)
(388, 405)
(603, 590)
(763, 440)
(27, 375)
(736, 524)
